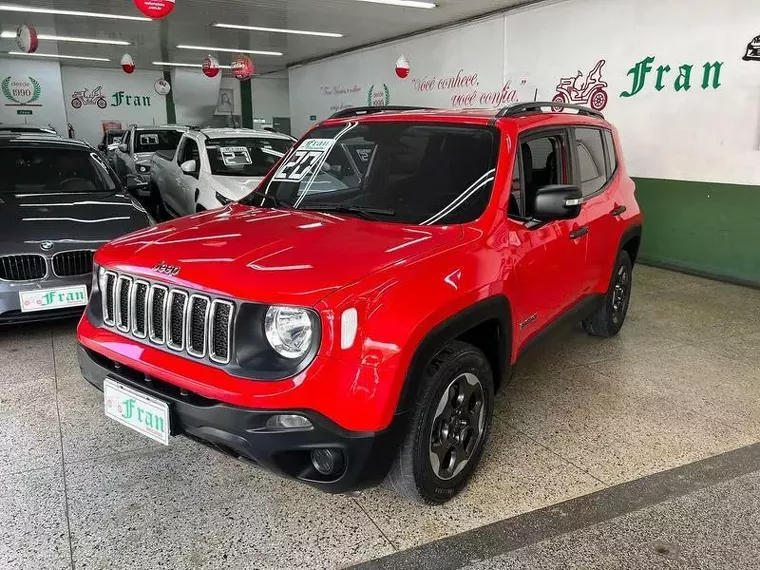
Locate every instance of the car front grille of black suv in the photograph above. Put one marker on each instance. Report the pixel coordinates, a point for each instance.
(183, 321)
(72, 263)
(22, 267)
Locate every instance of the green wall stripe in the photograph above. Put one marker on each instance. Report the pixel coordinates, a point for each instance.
(706, 228)
(171, 113)
(246, 100)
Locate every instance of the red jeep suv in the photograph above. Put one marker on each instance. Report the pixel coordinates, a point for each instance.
(351, 319)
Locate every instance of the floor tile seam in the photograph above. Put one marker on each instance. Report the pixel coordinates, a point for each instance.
(63, 458)
(375, 524)
(553, 452)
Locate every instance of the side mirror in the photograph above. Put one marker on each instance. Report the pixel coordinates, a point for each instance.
(136, 185)
(557, 202)
(123, 147)
(189, 167)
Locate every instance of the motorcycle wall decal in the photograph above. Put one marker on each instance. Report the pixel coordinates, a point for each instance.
(589, 91)
(87, 97)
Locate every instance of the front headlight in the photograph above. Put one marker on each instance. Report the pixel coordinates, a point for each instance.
(223, 200)
(288, 330)
(143, 168)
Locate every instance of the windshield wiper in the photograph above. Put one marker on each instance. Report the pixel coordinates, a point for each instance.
(277, 203)
(361, 211)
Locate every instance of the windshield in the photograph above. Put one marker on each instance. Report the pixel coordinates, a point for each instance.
(151, 141)
(114, 137)
(404, 172)
(245, 156)
(53, 171)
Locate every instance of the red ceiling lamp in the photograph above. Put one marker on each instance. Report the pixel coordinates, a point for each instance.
(155, 9)
(26, 39)
(128, 64)
(210, 66)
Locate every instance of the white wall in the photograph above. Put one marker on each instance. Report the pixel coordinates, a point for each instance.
(699, 134)
(45, 109)
(271, 97)
(130, 99)
(195, 96)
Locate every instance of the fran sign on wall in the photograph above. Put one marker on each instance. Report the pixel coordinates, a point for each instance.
(94, 96)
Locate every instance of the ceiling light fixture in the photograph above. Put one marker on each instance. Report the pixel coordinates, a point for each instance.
(404, 3)
(172, 64)
(230, 50)
(12, 35)
(59, 56)
(35, 10)
(278, 30)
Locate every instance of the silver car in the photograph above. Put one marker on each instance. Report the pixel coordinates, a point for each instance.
(132, 156)
(59, 202)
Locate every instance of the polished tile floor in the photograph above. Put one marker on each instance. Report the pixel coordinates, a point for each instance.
(680, 383)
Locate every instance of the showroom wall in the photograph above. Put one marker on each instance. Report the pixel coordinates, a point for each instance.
(30, 92)
(45, 92)
(668, 73)
(125, 100)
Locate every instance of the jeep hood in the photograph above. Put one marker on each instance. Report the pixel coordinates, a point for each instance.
(272, 255)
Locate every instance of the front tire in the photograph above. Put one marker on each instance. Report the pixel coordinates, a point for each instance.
(449, 426)
(609, 318)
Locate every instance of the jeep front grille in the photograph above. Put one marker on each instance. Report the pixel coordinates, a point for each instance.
(183, 321)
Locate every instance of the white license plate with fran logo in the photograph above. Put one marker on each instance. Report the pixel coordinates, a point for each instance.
(138, 411)
(48, 299)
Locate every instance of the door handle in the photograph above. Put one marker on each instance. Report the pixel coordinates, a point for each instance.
(579, 232)
(618, 210)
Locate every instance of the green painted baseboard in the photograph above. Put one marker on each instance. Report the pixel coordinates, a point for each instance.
(704, 227)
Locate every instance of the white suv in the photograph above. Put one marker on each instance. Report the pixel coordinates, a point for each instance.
(212, 167)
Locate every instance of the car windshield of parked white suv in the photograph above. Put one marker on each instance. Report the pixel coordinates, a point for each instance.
(395, 171)
(245, 156)
(53, 171)
(151, 141)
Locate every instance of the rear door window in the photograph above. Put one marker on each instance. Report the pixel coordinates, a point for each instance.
(591, 160)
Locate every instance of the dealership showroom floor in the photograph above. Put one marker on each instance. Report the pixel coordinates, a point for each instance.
(583, 417)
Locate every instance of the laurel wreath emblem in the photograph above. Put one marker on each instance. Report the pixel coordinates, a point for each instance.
(37, 91)
(372, 89)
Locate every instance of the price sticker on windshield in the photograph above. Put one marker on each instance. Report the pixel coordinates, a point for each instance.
(309, 155)
(235, 155)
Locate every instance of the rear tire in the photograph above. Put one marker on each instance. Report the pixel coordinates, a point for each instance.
(609, 318)
(449, 426)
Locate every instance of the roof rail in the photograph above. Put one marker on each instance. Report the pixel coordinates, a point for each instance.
(358, 111)
(537, 106)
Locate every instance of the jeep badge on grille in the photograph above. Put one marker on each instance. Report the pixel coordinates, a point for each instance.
(166, 269)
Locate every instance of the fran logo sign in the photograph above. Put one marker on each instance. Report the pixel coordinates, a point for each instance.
(664, 75)
(21, 92)
(589, 90)
(120, 98)
(378, 95)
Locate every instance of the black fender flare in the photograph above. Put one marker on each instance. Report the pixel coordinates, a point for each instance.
(630, 233)
(496, 307)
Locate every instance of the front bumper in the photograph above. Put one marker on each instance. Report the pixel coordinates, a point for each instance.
(10, 303)
(242, 432)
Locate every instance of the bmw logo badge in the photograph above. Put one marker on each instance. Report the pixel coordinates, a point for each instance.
(46, 245)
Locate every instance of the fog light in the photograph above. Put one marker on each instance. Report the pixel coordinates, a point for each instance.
(327, 461)
(288, 421)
